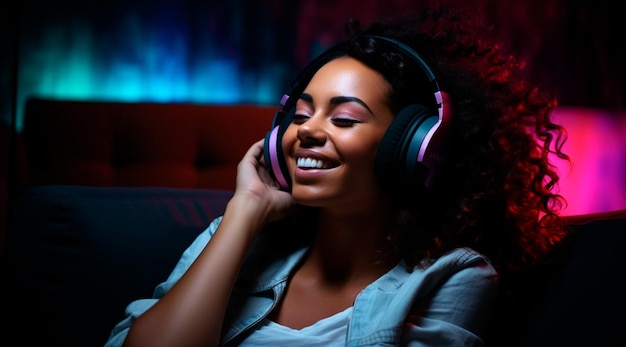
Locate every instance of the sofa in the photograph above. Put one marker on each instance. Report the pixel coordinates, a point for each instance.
(90, 180)
(110, 194)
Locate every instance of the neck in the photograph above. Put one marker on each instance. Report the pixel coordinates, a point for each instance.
(352, 246)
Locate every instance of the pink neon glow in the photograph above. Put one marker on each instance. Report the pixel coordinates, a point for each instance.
(596, 181)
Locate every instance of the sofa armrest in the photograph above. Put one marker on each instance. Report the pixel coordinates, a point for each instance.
(573, 298)
(76, 256)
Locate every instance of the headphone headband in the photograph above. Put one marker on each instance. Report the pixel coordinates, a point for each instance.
(412, 53)
(304, 76)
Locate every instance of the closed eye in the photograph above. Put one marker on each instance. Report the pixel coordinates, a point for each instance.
(340, 122)
(345, 122)
(300, 118)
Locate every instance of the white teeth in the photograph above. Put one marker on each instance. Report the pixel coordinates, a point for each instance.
(309, 163)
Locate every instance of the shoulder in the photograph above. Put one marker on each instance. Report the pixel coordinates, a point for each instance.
(464, 264)
(462, 278)
(462, 257)
(458, 268)
(463, 288)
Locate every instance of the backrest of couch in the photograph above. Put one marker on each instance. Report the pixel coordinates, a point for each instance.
(139, 144)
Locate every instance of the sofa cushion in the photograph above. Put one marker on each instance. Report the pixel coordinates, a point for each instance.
(78, 255)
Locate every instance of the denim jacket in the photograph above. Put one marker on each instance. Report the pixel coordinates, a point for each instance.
(445, 303)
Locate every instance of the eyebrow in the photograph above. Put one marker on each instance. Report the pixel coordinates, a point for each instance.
(336, 100)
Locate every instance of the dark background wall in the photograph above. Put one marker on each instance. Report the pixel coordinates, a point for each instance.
(248, 50)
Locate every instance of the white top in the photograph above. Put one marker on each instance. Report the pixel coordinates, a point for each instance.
(327, 332)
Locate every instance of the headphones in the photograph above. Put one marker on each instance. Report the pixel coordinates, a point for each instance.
(410, 152)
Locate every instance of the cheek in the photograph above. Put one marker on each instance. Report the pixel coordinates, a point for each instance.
(359, 148)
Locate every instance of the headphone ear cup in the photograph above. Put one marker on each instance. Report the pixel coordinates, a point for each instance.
(396, 160)
(273, 150)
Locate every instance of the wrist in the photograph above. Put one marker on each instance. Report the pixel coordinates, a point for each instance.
(248, 209)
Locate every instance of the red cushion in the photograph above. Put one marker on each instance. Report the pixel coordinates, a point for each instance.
(139, 144)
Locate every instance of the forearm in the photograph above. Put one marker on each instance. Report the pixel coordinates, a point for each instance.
(192, 312)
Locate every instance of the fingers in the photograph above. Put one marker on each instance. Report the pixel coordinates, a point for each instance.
(251, 171)
(254, 182)
(256, 150)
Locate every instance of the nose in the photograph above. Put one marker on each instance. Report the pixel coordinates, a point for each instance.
(313, 131)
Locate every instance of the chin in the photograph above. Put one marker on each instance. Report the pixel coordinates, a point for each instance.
(311, 196)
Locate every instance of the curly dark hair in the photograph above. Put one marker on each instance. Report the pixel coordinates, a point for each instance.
(498, 198)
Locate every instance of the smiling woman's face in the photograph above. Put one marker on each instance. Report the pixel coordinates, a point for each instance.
(331, 145)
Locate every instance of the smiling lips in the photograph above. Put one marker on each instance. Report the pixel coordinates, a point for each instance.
(309, 163)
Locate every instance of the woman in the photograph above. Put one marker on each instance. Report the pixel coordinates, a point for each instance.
(372, 214)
